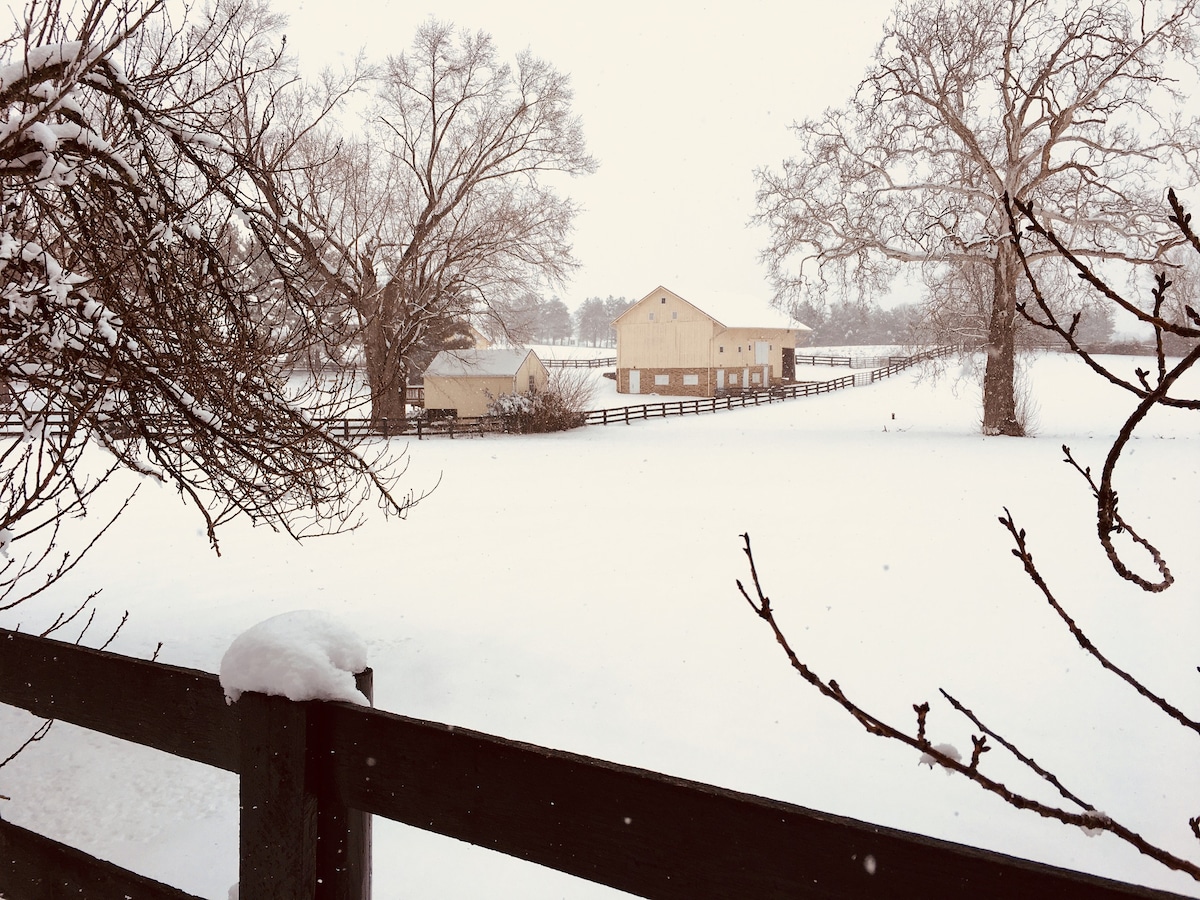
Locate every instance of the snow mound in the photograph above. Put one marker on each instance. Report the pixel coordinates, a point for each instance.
(301, 655)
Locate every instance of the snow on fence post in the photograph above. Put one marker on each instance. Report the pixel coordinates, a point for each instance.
(297, 839)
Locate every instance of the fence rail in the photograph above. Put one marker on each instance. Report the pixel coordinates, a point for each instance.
(601, 363)
(450, 426)
(700, 405)
(311, 774)
(852, 362)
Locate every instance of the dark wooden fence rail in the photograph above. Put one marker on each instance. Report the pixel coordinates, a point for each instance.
(629, 414)
(421, 428)
(601, 363)
(311, 774)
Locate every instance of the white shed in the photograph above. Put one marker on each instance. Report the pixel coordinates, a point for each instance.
(463, 382)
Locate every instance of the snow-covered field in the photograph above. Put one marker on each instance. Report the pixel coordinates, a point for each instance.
(577, 590)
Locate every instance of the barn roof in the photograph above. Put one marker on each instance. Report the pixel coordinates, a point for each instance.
(477, 363)
(731, 311)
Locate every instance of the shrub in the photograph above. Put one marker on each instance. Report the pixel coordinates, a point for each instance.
(557, 407)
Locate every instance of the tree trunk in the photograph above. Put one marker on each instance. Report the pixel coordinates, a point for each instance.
(999, 377)
(386, 375)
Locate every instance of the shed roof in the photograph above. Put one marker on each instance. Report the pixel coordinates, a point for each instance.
(477, 363)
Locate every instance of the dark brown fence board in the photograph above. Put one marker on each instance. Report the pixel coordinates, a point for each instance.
(278, 826)
(656, 836)
(176, 710)
(639, 831)
(343, 833)
(600, 363)
(33, 867)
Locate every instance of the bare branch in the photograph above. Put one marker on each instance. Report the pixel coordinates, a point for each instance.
(933, 754)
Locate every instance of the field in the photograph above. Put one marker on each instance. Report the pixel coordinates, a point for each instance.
(577, 591)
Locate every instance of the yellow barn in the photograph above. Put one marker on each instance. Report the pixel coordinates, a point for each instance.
(463, 382)
(666, 345)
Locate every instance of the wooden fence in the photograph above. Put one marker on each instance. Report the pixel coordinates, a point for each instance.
(312, 774)
(602, 363)
(892, 365)
(714, 404)
(449, 426)
(357, 428)
(852, 362)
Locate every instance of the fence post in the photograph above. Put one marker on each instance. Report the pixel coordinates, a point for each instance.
(343, 834)
(278, 834)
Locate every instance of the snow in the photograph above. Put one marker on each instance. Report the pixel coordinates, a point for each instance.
(577, 591)
(301, 655)
(949, 750)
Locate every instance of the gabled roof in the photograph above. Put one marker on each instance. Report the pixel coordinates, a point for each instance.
(729, 312)
(658, 291)
(478, 363)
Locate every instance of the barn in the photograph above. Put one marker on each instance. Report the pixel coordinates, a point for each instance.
(463, 382)
(667, 345)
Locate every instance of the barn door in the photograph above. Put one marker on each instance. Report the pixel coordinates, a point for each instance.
(762, 353)
(720, 379)
(635, 381)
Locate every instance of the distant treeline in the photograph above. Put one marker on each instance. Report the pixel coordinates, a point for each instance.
(843, 324)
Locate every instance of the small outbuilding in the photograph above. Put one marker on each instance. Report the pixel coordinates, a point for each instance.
(463, 382)
(667, 345)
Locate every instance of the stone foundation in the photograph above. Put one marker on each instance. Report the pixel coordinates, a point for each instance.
(706, 385)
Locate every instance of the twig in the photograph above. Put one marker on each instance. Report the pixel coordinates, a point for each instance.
(873, 725)
(41, 732)
(1021, 552)
(1012, 748)
(112, 637)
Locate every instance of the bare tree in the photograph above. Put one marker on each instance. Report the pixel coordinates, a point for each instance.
(445, 212)
(1064, 104)
(1118, 536)
(150, 299)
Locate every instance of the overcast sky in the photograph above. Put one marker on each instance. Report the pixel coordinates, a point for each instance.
(679, 102)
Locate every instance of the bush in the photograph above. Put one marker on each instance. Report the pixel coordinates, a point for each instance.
(557, 407)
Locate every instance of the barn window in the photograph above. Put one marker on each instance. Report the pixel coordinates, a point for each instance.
(720, 349)
(662, 379)
(663, 300)
(651, 317)
(532, 383)
(756, 377)
(674, 315)
(691, 379)
(733, 379)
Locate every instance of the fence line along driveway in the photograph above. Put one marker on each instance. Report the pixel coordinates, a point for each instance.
(891, 366)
